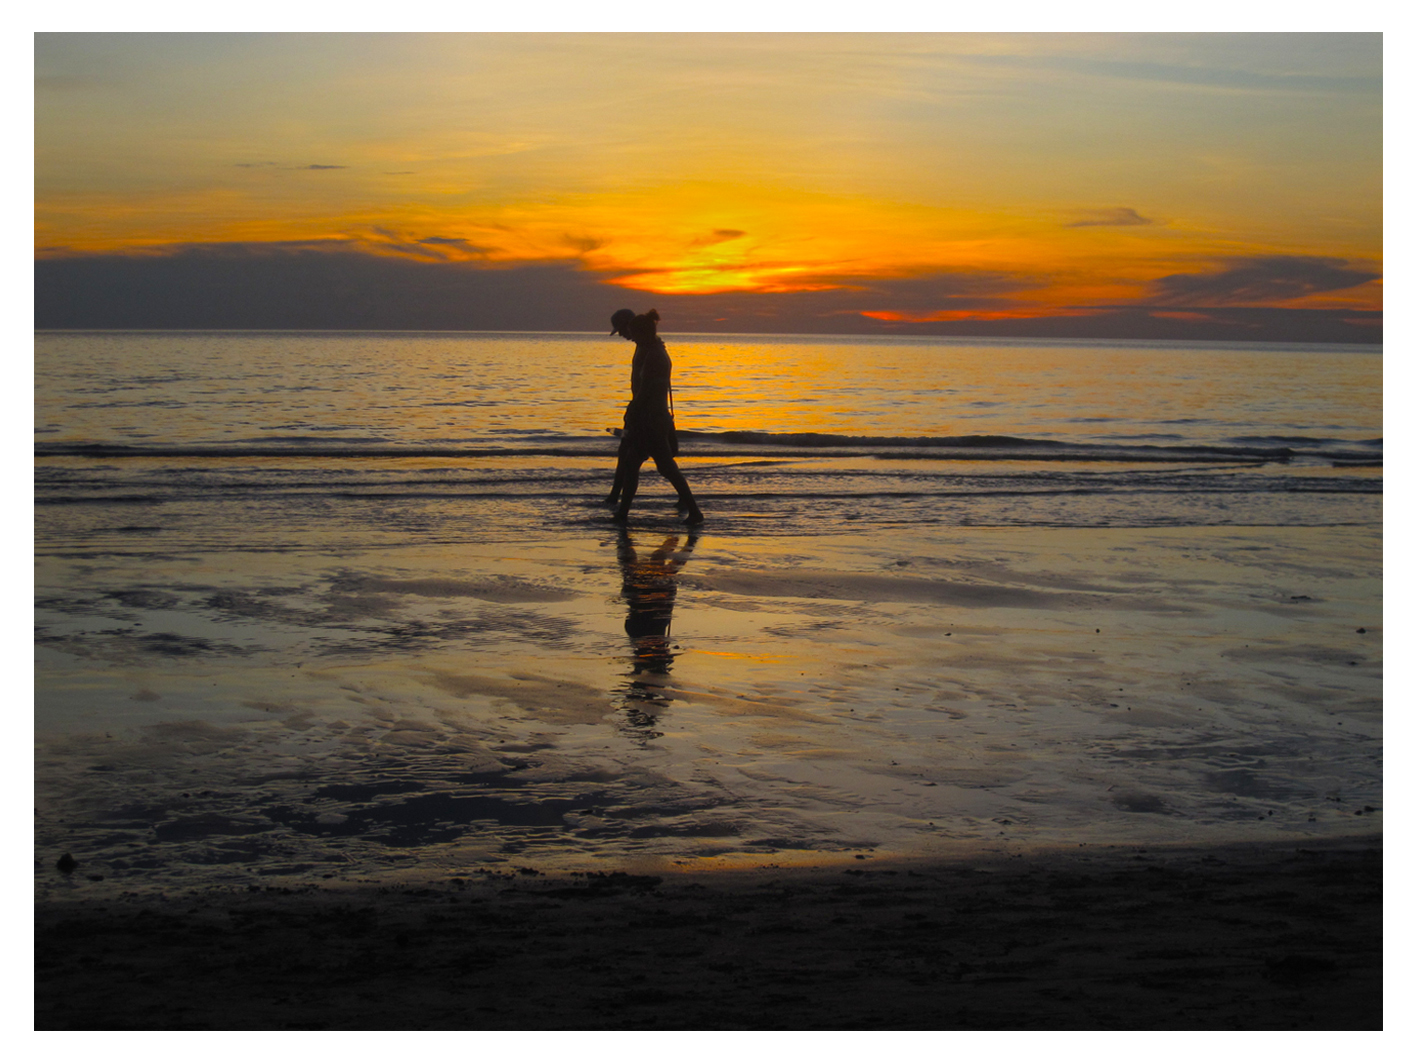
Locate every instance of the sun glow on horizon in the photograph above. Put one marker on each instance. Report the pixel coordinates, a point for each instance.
(975, 176)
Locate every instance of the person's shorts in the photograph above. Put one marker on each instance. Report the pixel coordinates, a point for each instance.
(638, 446)
(649, 436)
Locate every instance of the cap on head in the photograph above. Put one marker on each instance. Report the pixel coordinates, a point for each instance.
(619, 320)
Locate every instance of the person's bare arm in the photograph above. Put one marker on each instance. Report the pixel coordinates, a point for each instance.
(637, 372)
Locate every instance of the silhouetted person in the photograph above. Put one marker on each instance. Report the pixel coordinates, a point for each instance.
(649, 423)
(649, 585)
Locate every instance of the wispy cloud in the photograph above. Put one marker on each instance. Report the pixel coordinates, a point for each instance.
(459, 247)
(1109, 216)
(278, 166)
(1198, 75)
(717, 236)
(583, 244)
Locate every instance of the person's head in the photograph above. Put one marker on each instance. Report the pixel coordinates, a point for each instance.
(642, 326)
(620, 322)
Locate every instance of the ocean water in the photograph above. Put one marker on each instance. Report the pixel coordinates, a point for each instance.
(343, 606)
(474, 436)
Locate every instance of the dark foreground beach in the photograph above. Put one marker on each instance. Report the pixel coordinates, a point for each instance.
(1249, 937)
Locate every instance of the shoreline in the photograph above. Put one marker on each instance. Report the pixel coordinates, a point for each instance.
(1219, 937)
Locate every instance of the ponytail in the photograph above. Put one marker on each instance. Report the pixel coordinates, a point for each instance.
(643, 325)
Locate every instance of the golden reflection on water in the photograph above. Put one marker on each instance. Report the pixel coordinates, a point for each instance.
(766, 384)
(469, 389)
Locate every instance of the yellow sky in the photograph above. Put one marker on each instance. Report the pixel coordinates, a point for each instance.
(1083, 167)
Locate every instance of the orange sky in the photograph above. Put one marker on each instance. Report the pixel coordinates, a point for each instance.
(1036, 172)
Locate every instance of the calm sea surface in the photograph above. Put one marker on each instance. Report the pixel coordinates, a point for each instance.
(459, 436)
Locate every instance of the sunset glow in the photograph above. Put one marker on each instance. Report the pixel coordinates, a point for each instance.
(910, 177)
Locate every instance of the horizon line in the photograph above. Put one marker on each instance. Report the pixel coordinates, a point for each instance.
(1070, 341)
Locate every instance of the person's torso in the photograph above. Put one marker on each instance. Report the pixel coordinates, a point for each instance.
(655, 369)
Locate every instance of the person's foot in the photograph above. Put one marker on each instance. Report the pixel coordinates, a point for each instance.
(695, 517)
(622, 516)
(611, 500)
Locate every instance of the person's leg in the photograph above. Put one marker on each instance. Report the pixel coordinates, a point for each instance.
(622, 454)
(630, 466)
(669, 469)
(619, 484)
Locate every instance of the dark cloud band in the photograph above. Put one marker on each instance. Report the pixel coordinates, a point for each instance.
(337, 285)
(1271, 279)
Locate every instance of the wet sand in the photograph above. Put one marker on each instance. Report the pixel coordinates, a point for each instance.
(1232, 938)
(898, 779)
(660, 702)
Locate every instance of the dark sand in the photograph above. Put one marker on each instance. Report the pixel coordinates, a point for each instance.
(1242, 938)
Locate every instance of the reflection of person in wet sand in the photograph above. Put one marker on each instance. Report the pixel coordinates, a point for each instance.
(649, 586)
(649, 420)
